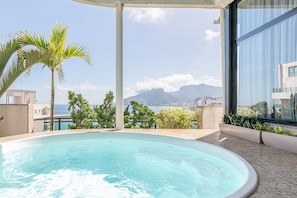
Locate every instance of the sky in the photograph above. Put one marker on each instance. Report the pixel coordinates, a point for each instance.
(163, 47)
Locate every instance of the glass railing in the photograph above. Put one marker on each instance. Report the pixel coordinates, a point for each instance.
(286, 89)
(61, 122)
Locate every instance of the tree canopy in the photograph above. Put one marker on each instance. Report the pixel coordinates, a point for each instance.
(52, 53)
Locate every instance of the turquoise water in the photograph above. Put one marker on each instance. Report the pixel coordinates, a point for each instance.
(108, 165)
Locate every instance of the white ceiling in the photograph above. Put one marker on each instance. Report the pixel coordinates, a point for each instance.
(161, 3)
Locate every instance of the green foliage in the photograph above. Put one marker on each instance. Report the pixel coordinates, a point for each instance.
(198, 118)
(293, 106)
(81, 113)
(52, 53)
(141, 115)
(105, 113)
(15, 61)
(258, 110)
(283, 131)
(174, 118)
(127, 118)
(254, 123)
(278, 130)
(83, 116)
(247, 112)
(247, 122)
(261, 109)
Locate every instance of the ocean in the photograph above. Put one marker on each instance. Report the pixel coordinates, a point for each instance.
(61, 109)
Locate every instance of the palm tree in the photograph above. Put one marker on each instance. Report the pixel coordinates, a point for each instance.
(22, 62)
(52, 53)
(9, 71)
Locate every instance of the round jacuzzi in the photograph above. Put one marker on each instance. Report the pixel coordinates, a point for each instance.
(116, 164)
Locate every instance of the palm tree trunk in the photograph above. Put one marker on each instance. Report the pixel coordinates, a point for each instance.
(52, 101)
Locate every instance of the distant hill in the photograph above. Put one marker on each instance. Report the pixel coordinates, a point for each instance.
(158, 97)
(154, 97)
(197, 91)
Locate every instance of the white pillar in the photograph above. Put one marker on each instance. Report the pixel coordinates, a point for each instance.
(225, 74)
(119, 67)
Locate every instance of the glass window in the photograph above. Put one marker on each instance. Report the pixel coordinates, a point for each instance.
(267, 71)
(255, 13)
(292, 71)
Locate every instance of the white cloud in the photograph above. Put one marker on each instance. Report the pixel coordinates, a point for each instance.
(168, 83)
(211, 80)
(174, 82)
(77, 87)
(128, 92)
(147, 15)
(210, 34)
(93, 93)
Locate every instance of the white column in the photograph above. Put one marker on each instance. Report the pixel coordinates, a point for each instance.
(119, 67)
(225, 75)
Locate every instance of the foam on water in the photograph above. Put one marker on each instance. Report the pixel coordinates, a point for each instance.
(68, 183)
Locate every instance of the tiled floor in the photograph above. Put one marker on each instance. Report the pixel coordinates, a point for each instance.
(276, 169)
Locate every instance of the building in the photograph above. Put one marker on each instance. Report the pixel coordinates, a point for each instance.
(27, 97)
(287, 82)
(209, 101)
(284, 94)
(20, 97)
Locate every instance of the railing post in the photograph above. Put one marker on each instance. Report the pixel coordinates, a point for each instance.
(59, 124)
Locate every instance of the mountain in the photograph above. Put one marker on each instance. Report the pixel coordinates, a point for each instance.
(197, 91)
(158, 97)
(154, 97)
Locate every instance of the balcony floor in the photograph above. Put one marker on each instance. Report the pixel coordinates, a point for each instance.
(276, 169)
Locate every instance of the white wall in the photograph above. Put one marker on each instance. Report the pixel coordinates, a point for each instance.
(17, 119)
(211, 116)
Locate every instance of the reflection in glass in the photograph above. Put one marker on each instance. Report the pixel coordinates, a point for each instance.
(267, 67)
(254, 13)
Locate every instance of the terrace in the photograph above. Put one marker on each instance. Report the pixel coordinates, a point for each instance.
(276, 169)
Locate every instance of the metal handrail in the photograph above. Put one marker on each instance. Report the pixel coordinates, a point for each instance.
(57, 119)
(67, 118)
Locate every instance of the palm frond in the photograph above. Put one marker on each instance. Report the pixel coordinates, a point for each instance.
(22, 63)
(6, 51)
(34, 39)
(77, 51)
(58, 38)
(60, 72)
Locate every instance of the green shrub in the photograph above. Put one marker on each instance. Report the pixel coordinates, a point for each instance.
(142, 116)
(105, 113)
(174, 118)
(81, 113)
(247, 122)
